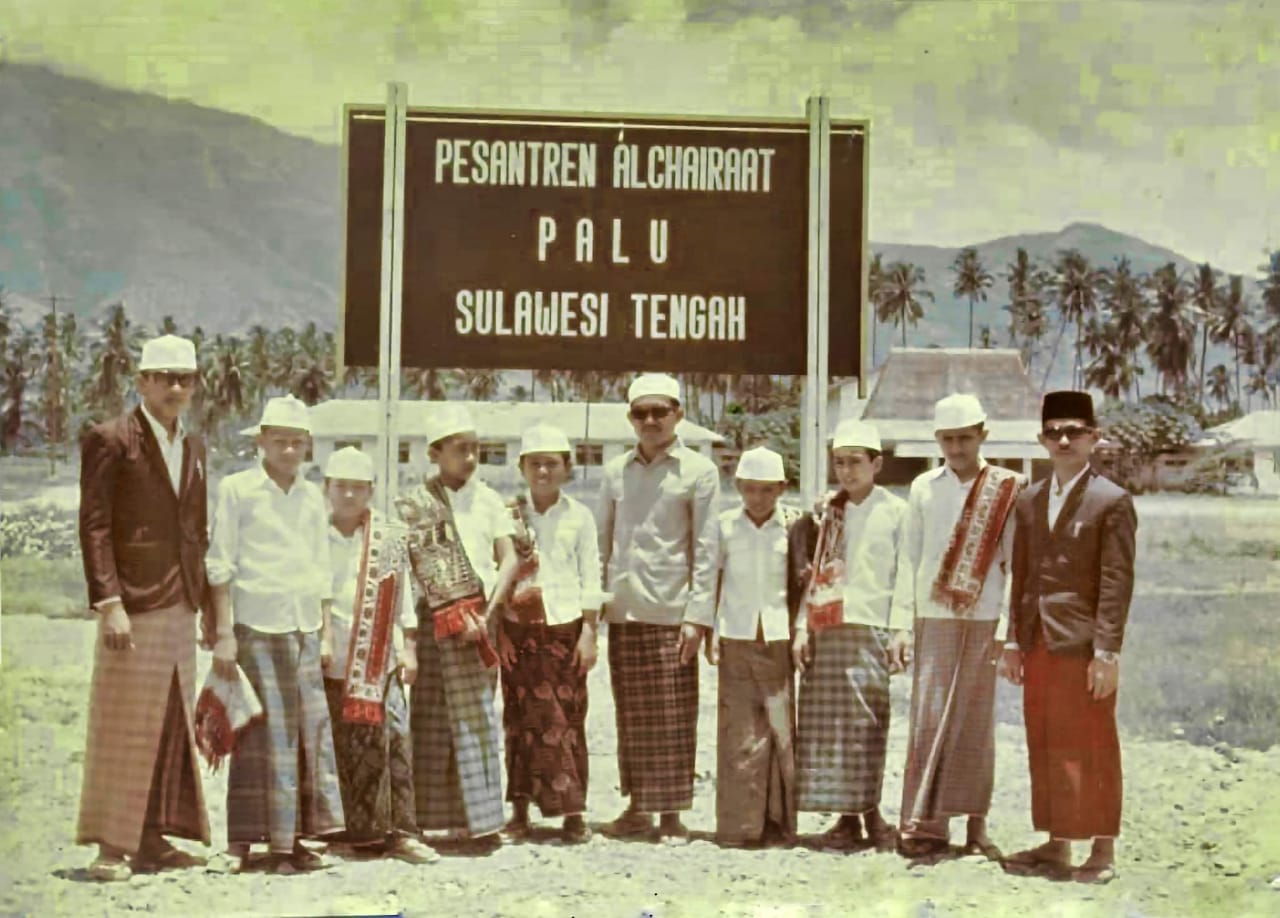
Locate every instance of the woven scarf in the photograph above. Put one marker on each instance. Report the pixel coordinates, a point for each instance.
(974, 540)
(224, 708)
(453, 591)
(525, 604)
(824, 598)
(383, 558)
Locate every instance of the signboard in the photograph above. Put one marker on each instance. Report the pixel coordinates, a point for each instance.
(603, 243)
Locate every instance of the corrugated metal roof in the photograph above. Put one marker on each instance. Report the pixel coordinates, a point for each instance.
(913, 379)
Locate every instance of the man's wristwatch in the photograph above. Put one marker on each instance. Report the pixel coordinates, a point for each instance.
(1106, 656)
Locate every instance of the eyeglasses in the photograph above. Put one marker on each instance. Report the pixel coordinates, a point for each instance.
(170, 378)
(1070, 431)
(656, 412)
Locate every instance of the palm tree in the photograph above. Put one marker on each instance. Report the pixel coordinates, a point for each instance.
(113, 362)
(1271, 286)
(904, 289)
(54, 373)
(875, 291)
(1027, 320)
(972, 281)
(1220, 386)
(1077, 284)
(431, 383)
(228, 385)
(1170, 330)
(481, 385)
(1125, 307)
(260, 364)
(1228, 323)
(20, 361)
(1204, 301)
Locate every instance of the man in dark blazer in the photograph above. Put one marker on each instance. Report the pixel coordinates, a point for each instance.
(1071, 584)
(143, 535)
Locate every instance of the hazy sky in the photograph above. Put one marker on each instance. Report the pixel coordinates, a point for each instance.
(1156, 118)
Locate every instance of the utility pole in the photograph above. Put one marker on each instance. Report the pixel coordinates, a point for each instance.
(53, 433)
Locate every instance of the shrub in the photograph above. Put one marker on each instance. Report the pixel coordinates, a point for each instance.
(39, 530)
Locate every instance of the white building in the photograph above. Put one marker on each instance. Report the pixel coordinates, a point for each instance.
(598, 431)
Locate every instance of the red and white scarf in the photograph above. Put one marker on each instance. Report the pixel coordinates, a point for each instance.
(525, 601)
(383, 559)
(824, 598)
(975, 539)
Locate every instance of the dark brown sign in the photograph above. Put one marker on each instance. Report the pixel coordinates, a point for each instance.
(595, 243)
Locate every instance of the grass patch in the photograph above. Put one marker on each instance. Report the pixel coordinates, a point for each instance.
(52, 587)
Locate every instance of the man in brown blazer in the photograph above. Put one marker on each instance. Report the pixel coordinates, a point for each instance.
(1071, 584)
(143, 535)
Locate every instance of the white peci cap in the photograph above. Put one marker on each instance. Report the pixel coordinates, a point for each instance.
(654, 384)
(168, 352)
(285, 411)
(958, 411)
(349, 464)
(446, 420)
(544, 438)
(760, 464)
(855, 434)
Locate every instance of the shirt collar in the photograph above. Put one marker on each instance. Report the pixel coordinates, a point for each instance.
(562, 502)
(262, 479)
(746, 520)
(671, 451)
(947, 472)
(162, 435)
(1066, 488)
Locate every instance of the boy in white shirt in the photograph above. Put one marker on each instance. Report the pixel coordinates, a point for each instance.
(548, 640)
(463, 561)
(847, 643)
(372, 598)
(268, 567)
(755, 763)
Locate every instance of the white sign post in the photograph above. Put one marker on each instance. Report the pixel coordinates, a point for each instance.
(813, 427)
(386, 461)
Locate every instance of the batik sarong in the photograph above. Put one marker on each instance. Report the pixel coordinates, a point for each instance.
(283, 782)
(951, 746)
(655, 700)
(375, 766)
(140, 759)
(844, 721)
(544, 712)
(755, 756)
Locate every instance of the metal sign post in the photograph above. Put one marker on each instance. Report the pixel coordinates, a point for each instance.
(386, 462)
(813, 427)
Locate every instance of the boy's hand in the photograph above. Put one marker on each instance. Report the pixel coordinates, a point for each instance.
(326, 648)
(409, 669)
(690, 638)
(224, 656)
(1009, 667)
(801, 652)
(586, 652)
(114, 627)
(713, 649)
(506, 650)
(899, 652)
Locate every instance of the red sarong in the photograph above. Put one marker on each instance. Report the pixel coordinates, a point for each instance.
(1073, 749)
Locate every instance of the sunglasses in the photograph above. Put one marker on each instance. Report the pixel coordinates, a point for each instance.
(656, 412)
(1070, 431)
(170, 378)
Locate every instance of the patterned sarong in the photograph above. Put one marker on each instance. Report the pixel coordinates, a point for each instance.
(140, 760)
(457, 762)
(544, 712)
(283, 783)
(656, 706)
(844, 721)
(383, 558)
(755, 757)
(951, 746)
(1077, 785)
(375, 766)
(975, 539)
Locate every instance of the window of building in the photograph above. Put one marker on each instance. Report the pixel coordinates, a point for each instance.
(589, 454)
(405, 452)
(493, 453)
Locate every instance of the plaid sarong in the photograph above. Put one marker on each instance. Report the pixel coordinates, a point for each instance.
(951, 746)
(457, 763)
(755, 730)
(544, 712)
(381, 578)
(283, 783)
(656, 706)
(140, 760)
(375, 766)
(975, 538)
(844, 721)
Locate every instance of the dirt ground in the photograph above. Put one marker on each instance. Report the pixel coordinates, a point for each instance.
(1200, 835)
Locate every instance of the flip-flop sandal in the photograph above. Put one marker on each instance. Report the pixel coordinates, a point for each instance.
(110, 871)
(982, 849)
(1096, 875)
(168, 859)
(921, 848)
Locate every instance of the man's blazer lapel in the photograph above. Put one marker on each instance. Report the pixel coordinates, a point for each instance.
(152, 449)
(1072, 504)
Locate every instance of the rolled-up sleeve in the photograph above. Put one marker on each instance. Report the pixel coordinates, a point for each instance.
(706, 520)
(224, 538)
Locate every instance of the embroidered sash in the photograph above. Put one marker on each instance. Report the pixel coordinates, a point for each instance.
(525, 603)
(824, 597)
(453, 592)
(383, 558)
(974, 540)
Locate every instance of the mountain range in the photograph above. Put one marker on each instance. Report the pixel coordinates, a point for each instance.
(224, 221)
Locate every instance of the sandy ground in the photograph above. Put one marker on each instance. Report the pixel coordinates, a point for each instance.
(1200, 836)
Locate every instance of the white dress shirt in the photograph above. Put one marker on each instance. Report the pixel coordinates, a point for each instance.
(344, 558)
(1058, 497)
(482, 519)
(568, 559)
(933, 508)
(272, 546)
(170, 449)
(872, 537)
(753, 569)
